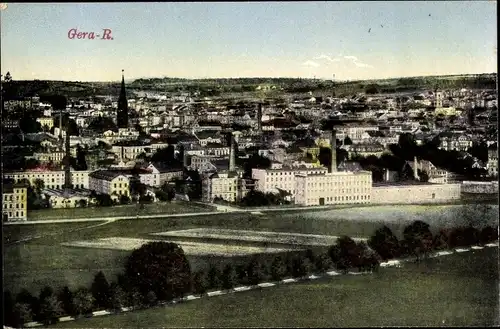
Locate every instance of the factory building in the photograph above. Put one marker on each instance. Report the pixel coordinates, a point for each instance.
(334, 187)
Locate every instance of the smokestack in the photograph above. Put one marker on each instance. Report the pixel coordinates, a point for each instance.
(231, 154)
(67, 170)
(333, 144)
(259, 118)
(415, 168)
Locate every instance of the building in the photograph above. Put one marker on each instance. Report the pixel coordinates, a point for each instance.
(109, 182)
(51, 179)
(492, 164)
(122, 111)
(223, 185)
(14, 202)
(46, 121)
(281, 177)
(333, 188)
(68, 198)
(414, 192)
(160, 175)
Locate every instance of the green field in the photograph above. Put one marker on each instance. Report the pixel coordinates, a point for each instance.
(125, 210)
(455, 290)
(44, 261)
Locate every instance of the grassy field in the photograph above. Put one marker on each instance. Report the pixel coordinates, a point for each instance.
(44, 261)
(125, 210)
(456, 290)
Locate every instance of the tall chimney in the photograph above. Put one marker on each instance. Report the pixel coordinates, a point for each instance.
(259, 118)
(184, 157)
(415, 168)
(333, 144)
(231, 154)
(67, 170)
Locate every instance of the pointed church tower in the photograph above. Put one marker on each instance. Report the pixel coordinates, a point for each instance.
(122, 112)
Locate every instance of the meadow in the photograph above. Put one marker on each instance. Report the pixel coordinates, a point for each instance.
(455, 290)
(176, 207)
(45, 261)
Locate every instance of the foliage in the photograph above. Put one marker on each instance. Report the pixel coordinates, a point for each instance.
(278, 269)
(124, 199)
(255, 161)
(229, 278)
(257, 271)
(488, 234)
(418, 239)
(66, 298)
(214, 278)
(22, 314)
(323, 263)
(385, 243)
(150, 299)
(101, 290)
(161, 267)
(200, 283)
(83, 301)
(257, 198)
(50, 309)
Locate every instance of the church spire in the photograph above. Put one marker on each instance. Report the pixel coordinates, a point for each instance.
(122, 113)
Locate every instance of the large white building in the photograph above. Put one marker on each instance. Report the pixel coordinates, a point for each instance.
(222, 185)
(333, 188)
(52, 179)
(281, 178)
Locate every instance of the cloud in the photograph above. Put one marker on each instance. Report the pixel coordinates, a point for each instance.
(353, 59)
(310, 64)
(328, 58)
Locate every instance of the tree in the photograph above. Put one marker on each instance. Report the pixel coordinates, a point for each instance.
(347, 141)
(66, 298)
(161, 267)
(385, 243)
(256, 271)
(82, 203)
(278, 269)
(488, 234)
(442, 240)
(418, 238)
(214, 278)
(124, 199)
(135, 298)
(228, 277)
(8, 308)
(81, 163)
(25, 297)
(150, 299)
(101, 290)
(118, 297)
(83, 301)
(22, 314)
(367, 258)
(345, 253)
(50, 309)
(302, 266)
(323, 263)
(200, 283)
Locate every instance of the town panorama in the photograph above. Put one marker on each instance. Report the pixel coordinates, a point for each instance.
(209, 202)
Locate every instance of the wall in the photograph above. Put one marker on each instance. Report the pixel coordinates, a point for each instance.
(408, 194)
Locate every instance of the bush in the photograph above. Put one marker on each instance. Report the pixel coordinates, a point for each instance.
(323, 263)
(345, 253)
(161, 267)
(385, 243)
(8, 308)
(214, 278)
(50, 309)
(25, 297)
(118, 297)
(303, 266)
(488, 234)
(442, 240)
(229, 278)
(135, 298)
(66, 298)
(83, 301)
(257, 272)
(150, 299)
(278, 269)
(22, 314)
(200, 283)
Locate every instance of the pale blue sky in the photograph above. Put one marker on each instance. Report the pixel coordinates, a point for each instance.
(287, 39)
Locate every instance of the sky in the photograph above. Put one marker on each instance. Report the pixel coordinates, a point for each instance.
(345, 40)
